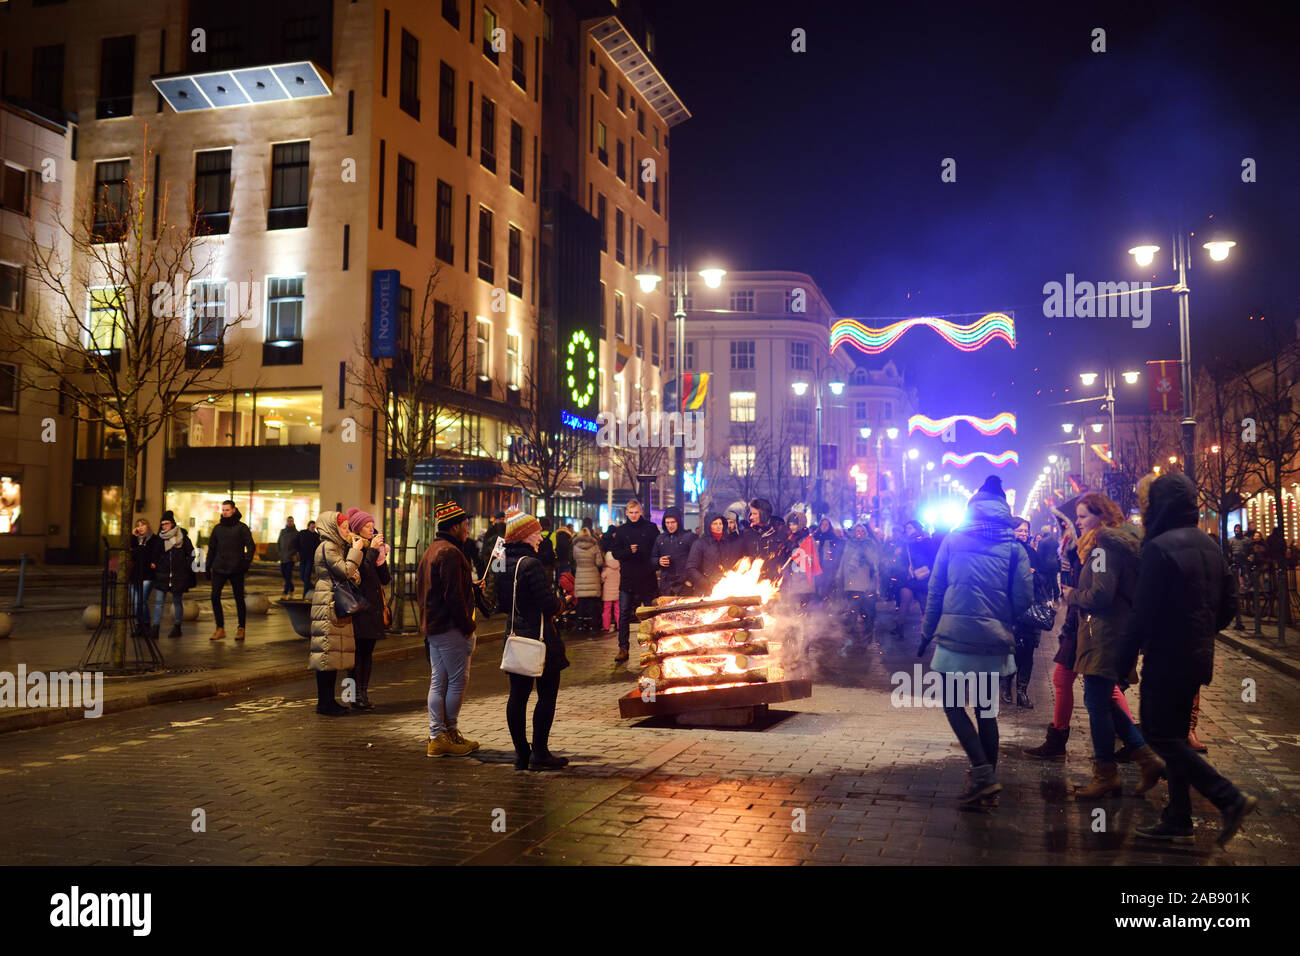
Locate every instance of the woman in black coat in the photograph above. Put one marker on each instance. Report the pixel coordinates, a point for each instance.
(171, 565)
(368, 625)
(531, 608)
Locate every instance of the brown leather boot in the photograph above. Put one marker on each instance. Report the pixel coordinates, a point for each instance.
(239, 634)
(1105, 782)
(218, 635)
(1152, 767)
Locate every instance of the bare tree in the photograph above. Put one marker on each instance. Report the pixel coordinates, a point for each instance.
(547, 451)
(414, 397)
(748, 483)
(1144, 442)
(1269, 432)
(778, 467)
(640, 457)
(113, 326)
(1222, 469)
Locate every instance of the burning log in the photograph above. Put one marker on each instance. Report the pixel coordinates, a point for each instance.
(744, 624)
(653, 654)
(755, 675)
(734, 604)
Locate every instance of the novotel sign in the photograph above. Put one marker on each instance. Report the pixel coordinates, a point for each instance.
(384, 287)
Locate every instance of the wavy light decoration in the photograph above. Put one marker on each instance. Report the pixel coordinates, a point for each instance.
(998, 460)
(968, 338)
(934, 427)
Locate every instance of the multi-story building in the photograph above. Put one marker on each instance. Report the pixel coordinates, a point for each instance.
(344, 158)
(35, 437)
(606, 112)
(765, 339)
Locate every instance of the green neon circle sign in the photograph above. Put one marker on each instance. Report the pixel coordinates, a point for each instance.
(581, 354)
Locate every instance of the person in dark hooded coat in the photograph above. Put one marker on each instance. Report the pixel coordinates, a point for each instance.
(767, 538)
(670, 553)
(713, 553)
(1186, 594)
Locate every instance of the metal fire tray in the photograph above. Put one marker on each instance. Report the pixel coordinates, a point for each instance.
(707, 698)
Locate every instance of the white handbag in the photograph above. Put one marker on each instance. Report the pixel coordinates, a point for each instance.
(522, 655)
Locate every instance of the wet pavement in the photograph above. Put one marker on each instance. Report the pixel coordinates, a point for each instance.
(841, 777)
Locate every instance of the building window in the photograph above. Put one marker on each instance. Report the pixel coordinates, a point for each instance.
(110, 201)
(405, 199)
(514, 346)
(487, 153)
(640, 122)
(212, 191)
(654, 339)
(800, 413)
(410, 93)
(640, 247)
(742, 300)
(11, 287)
(516, 157)
(483, 350)
(570, 112)
(602, 217)
(207, 313)
(742, 355)
(744, 406)
(451, 12)
(290, 164)
(604, 315)
(515, 263)
(47, 75)
(15, 192)
(404, 299)
(860, 411)
(489, 28)
(620, 166)
(107, 319)
(284, 297)
(618, 317)
(447, 102)
(860, 448)
(799, 461)
(654, 193)
(640, 332)
(602, 137)
(689, 366)
(8, 402)
(602, 79)
(518, 71)
(486, 269)
(742, 459)
(800, 356)
(116, 77)
(620, 247)
(444, 248)
(889, 411)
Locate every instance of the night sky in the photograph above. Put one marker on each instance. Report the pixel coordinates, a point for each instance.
(828, 162)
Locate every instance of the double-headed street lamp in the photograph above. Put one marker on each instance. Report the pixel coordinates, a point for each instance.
(800, 389)
(1109, 381)
(1144, 255)
(649, 280)
(890, 432)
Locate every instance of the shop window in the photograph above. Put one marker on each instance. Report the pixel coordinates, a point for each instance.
(8, 387)
(288, 417)
(11, 503)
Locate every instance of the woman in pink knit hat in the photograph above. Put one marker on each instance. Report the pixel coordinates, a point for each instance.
(368, 625)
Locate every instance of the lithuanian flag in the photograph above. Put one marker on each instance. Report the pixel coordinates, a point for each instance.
(695, 386)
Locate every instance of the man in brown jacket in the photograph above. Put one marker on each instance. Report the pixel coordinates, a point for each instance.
(445, 591)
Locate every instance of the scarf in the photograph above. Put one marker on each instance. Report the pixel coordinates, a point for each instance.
(171, 538)
(1087, 543)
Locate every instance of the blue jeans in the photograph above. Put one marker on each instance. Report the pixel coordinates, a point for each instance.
(286, 571)
(178, 606)
(140, 601)
(449, 665)
(304, 567)
(1105, 718)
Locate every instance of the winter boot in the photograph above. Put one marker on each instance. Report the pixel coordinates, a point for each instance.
(218, 635)
(1105, 782)
(1152, 767)
(983, 784)
(1167, 832)
(1006, 691)
(175, 631)
(1233, 817)
(1193, 740)
(1022, 697)
(239, 634)
(1054, 747)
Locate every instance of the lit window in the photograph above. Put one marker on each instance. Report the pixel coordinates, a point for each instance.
(284, 298)
(742, 459)
(483, 361)
(799, 461)
(107, 319)
(744, 406)
(513, 347)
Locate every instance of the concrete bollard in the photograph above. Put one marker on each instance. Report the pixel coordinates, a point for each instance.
(6, 625)
(190, 610)
(257, 604)
(90, 617)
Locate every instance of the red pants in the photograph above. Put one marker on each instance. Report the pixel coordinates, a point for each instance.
(1063, 683)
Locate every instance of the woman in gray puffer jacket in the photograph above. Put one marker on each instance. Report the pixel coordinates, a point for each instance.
(333, 648)
(979, 586)
(587, 562)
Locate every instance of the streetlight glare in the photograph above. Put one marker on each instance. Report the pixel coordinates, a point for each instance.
(1219, 249)
(800, 388)
(1131, 377)
(1067, 428)
(1051, 459)
(648, 281)
(913, 453)
(1097, 427)
(712, 277)
(929, 466)
(892, 432)
(837, 388)
(1144, 255)
(1088, 378)
(864, 432)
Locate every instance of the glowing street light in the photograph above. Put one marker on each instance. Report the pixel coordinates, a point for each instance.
(837, 388)
(1088, 378)
(929, 466)
(864, 431)
(800, 388)
(712, 277)
(1219, 249)
(913, 453)
(1144, 255)
(1051, 459)
(1131, 377)
(1068, 428)
(648, 281)
(891, 432)
(1097, 427)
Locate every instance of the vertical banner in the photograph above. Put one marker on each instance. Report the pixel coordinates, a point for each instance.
(1164, 388)
(384, 285)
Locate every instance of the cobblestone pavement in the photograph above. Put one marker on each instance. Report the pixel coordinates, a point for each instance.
(842, 777)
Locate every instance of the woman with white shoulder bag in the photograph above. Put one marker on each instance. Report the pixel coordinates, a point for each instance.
(530, 603)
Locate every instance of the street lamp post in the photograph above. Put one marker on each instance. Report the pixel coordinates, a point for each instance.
(800, 389)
